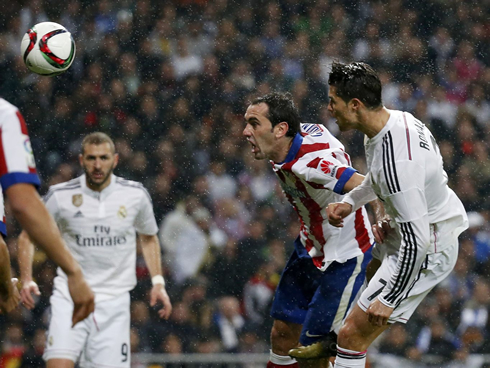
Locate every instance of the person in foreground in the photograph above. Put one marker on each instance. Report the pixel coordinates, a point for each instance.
(405, 170)
(328, 265)
(99, 215)
(19, 182)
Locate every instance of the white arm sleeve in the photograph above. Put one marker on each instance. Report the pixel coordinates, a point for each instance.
(145, 222)
(51, 203)
(408, 207)
(360, 195)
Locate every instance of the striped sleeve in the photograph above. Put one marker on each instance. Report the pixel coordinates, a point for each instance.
(328, 168)
(409, 210)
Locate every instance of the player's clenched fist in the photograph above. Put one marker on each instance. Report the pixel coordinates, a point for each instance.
(11, 298)
(29, 288)
(337, 212)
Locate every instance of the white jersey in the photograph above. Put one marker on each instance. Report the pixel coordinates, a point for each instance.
(406, 173)
(16, 159)
(99, 229)
(313, 175)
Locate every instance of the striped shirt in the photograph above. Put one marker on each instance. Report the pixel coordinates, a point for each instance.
(406, 173)
(312, 176)
(16, 159)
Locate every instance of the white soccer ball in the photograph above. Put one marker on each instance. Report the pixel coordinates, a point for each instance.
(48, 49)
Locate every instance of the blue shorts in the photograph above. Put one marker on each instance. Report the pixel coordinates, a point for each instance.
(316, 299)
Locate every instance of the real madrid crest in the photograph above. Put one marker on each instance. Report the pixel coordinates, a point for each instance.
(122, 212)
(77, 200)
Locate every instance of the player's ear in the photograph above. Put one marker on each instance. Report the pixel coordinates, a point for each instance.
(355, 103)
(281, 129)
(80, 159)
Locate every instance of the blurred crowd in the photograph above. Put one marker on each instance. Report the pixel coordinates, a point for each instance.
(169, 81)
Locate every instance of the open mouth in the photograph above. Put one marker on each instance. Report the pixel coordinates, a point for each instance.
(254, 147)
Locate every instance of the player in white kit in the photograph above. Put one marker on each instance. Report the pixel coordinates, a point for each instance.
(100, 216)
(405, 170)
(18, 181)
(328, 265)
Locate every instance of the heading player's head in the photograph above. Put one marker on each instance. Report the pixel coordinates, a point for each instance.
(98, 159)
(353, 87)
(271, 122)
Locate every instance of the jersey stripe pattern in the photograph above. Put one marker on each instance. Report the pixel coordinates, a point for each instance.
(17, 163)
(313, 175)
(406, 172)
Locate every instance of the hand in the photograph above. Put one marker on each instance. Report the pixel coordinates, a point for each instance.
(82, 295)
(378, 313)
(9, 302)
(29, 288)
(381, 229)
(336, 213)
(158, 293)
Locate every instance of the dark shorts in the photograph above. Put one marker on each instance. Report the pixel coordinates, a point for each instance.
(316, 299)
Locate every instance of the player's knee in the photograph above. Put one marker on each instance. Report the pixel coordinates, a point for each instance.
(283, 337)
(346, 336)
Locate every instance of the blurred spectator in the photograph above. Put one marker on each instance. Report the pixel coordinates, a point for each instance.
(436, 340)
(229, 322)
(184, 62)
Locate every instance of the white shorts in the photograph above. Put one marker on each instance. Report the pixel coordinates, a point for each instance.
(435, 268)
(101, 340)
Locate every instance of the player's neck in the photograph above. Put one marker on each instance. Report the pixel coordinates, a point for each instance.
(98, 187)
(373, 121)
(282, 149)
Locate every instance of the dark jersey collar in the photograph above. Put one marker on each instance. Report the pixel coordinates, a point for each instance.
(295, 146)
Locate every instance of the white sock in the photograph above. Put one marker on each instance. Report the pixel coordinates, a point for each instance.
(350, 359)
(281, 359)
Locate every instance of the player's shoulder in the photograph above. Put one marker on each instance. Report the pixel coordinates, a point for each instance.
(70, 184)
(133, 186)
(126, 183)
(65, 187)
(7, 108)
(318, 133)
(314, 130)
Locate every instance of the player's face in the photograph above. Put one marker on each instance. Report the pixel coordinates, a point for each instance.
(98, 162)
(341, 110)
(259, 131)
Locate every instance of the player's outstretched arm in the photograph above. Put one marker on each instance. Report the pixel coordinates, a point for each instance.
(25, 257)
(151, 254)
(9, 295)
(35, 219)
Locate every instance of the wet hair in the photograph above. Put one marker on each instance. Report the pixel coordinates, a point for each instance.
(97, 138)
(281, 108)
(356, 80)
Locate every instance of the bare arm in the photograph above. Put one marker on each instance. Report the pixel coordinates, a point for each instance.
(151, 254)
(25, 257)
(5, 275)
(35, 219)
(9, 295)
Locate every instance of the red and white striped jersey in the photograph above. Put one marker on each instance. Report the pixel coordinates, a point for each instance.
(16, 159)
(313, 175)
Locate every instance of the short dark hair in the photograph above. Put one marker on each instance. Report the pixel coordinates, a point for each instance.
(98, 138)
(281, 108)
(356, 80)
